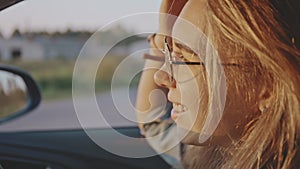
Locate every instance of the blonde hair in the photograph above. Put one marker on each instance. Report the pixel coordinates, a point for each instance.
(267, 35)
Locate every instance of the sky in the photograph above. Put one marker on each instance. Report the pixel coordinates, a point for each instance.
(58, 15)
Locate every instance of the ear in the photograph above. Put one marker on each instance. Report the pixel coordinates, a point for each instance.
(265, 98)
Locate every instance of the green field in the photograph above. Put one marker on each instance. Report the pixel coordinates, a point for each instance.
(55, 76)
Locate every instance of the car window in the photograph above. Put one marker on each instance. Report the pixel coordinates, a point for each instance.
(46, 37)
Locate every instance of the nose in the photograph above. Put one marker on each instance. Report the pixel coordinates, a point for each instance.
(162, 78)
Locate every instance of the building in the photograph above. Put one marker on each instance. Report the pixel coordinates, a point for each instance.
(67, 45)
(19, 48)
(41, 45)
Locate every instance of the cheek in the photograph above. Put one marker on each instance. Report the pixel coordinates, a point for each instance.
(195, 96)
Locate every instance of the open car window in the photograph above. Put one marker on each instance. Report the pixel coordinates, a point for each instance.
(45, 38)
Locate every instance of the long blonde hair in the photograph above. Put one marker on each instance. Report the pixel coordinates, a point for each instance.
(267, 31)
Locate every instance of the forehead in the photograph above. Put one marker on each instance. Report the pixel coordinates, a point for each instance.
(190, 25)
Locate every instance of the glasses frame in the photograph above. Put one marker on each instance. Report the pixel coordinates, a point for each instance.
(169, 61)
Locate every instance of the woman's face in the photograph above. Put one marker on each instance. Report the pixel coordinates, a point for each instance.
(190, 95)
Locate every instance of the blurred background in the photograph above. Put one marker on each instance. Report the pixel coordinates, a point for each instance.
(45, 37)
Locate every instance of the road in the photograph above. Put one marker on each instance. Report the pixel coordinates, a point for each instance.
(60, 114)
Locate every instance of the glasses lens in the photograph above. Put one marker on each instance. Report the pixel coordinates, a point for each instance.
(184, 73)
(180, 72)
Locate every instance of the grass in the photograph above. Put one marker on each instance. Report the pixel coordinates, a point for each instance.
(55, 76)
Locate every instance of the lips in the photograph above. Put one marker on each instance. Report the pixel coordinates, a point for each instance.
(178, 110)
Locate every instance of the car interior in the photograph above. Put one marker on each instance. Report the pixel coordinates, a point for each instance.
(65, 148)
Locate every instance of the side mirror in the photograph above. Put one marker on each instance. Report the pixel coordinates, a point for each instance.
(19, 94)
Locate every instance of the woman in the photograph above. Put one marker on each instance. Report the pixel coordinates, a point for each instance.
(253, 48)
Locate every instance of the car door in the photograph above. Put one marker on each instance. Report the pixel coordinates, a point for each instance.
(70, 149)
